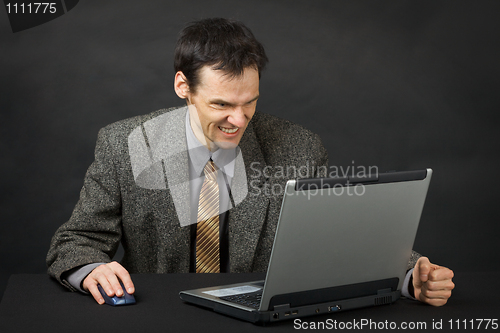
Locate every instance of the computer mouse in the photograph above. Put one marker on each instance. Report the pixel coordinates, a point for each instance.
(126, 299)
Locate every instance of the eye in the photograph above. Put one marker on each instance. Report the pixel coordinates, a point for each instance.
(220, 106)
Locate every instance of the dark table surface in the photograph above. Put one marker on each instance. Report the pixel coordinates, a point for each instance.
(35, 303)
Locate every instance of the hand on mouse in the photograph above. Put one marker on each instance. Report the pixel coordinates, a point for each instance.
(107, 276)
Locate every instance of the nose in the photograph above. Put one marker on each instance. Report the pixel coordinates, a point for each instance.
(238, 117)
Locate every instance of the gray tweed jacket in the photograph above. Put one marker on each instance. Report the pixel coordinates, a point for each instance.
(113, 207)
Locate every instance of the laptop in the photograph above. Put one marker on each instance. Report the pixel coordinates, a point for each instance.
(340, 244)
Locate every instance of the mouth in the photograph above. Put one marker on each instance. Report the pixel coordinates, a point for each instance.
(229, 130)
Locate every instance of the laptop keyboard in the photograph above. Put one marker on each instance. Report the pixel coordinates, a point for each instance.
(251, 300)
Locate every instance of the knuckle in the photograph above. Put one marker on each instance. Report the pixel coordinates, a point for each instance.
(116, 267)
(426, 293)
(436, 274)
(424, 298)
(101, 267)
(431, 285)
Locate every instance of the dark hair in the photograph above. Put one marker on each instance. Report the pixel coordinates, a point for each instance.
(224, 44)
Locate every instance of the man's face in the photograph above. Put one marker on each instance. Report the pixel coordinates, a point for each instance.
(222, 106)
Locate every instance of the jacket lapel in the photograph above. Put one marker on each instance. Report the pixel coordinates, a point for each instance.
(246, 219)
(166, 138)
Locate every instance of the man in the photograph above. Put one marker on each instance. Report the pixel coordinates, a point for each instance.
(149, 182)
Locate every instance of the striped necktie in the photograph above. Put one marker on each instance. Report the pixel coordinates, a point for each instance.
(207, 230)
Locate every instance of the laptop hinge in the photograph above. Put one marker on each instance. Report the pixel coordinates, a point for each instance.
(281, 307)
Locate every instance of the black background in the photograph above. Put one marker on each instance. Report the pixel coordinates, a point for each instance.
(395, 84)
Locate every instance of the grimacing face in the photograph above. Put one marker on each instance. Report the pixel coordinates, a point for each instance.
(221, 107)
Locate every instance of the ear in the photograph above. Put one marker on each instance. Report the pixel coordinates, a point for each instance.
(181, 86)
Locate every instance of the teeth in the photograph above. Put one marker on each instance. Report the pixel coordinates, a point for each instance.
(228, 130)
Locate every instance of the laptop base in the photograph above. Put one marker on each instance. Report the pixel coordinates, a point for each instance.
(284, 312)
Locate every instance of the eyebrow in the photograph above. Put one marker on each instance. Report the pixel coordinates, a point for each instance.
(221, 101)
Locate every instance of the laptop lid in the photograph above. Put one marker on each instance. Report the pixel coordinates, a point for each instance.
(335, 232)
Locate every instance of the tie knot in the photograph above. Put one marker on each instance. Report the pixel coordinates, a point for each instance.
(210, 171)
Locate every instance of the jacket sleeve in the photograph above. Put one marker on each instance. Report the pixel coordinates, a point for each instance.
(320, 158)
(93, 231)
(413, 260)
